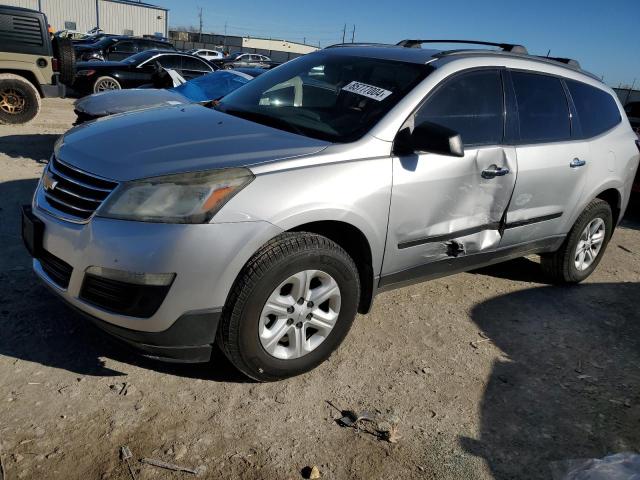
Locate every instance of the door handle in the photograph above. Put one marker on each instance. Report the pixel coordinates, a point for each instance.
(576, 162)
(494, 171)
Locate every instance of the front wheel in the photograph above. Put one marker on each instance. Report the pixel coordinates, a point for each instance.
(290, 308)
(106, 83)
(584, 246)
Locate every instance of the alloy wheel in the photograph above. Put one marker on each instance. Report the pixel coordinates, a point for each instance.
(107, 84)
(590, 244)
(12, 101)
(299, 314)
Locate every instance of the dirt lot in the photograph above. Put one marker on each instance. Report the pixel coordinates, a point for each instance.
(554, 375)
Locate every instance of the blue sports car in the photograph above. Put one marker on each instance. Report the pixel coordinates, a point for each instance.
(206, 88)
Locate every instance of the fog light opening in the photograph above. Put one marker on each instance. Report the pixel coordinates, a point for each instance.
(137, 278)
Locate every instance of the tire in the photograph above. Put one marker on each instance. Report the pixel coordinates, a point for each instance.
(243, 328)
(19, 99)
(561, 265)
(64, 52)
(103, 84)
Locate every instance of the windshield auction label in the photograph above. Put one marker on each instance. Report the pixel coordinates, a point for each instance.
(365, 90)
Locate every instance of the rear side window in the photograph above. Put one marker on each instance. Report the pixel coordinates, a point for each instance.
(542, 108)
(597, 110)
(471, 104)
(190, 63)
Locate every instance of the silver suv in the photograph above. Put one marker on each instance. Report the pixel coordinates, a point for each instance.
(266, 222)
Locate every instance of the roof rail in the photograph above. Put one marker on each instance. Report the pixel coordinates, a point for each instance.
(360, 44)
(507, 47)
(567, 61)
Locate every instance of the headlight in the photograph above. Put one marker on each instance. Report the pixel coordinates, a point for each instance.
(183, 198)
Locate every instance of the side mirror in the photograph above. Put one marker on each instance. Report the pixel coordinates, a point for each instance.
(431, 138)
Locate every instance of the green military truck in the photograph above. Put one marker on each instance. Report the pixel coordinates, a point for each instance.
(32, 66)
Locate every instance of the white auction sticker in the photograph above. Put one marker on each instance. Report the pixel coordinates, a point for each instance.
(365, 90)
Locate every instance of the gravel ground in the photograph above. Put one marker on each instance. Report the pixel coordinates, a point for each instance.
(490, 374)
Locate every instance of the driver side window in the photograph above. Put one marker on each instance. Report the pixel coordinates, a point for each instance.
(471, 104)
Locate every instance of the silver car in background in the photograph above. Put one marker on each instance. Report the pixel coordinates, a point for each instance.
(266, 223)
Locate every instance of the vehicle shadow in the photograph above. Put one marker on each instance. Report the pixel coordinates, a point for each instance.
(38, 146)
(37, 327)
(568, 384)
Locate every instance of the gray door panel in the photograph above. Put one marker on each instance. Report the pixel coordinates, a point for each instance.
(439, 199)
(547, 192)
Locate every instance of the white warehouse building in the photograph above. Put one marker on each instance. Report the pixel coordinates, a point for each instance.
(121, 17)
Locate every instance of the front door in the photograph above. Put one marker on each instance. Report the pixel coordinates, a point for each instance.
(444, 207)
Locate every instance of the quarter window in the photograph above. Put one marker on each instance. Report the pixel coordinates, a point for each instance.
(471, 104)
(597, 110)
(542, 108)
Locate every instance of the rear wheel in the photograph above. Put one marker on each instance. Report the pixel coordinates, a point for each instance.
(584, 246)
(104, 84)
(290, 308)
(19, 99)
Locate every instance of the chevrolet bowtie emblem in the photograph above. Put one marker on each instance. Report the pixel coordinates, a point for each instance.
(48, 182)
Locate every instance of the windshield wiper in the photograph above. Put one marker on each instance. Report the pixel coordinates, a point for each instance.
(267, 120)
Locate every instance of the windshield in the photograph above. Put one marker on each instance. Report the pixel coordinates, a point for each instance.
(212, 86)
(325, 95)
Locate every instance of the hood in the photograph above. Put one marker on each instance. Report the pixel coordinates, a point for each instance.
(178, 139)
(120, 101)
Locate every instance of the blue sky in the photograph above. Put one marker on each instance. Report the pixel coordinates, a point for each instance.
(603, 35)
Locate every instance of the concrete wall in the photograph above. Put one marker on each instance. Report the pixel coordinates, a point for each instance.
(626, 96)
(277, 50)
(279, 45)
(112, 17)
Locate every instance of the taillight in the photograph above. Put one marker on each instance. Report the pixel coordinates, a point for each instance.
(54, 65)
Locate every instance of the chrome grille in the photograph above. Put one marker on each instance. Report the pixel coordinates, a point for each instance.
(74, 193)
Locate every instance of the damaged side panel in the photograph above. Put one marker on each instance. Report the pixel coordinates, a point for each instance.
(446, 207)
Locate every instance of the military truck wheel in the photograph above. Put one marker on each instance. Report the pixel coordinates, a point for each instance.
(64, 52)
(19, 99)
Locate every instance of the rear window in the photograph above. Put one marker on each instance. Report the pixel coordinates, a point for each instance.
(542, 108)
(597, 110)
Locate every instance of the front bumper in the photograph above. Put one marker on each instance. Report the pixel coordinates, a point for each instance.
(206, 259)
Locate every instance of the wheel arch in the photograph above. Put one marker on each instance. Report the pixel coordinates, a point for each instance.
(614, 198)
(356, 244)
(27, 75)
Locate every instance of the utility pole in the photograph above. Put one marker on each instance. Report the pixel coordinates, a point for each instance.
(630, 90)
(224, 42)
(353, 33)
(200, 30)
(344, 32)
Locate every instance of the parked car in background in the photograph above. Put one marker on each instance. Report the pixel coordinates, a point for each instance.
(32, 66)
(204, 89)
(265, 224)
(136, 70)
(243, 60)
(206, 54)
(632, 109)
(114, 48)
